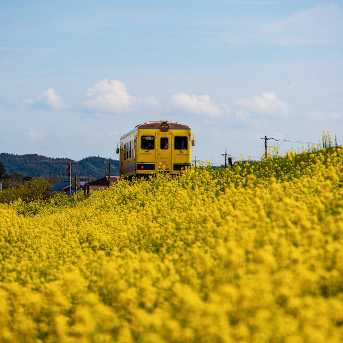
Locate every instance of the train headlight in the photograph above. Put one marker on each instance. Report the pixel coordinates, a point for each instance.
(164, 127)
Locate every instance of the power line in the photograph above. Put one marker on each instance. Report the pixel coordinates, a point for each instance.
(281, 140)
(290, 141)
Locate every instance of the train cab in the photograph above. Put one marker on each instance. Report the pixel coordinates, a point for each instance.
(154, 147)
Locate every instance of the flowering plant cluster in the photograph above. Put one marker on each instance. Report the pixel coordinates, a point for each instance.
(248, 254)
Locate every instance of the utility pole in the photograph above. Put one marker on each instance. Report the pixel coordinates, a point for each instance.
(75, 183)
(69, 169)
(230, 162)
(266, 145)
(109, 173)
(225, 156)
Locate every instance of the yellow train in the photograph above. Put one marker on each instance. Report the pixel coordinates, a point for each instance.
(153, 147)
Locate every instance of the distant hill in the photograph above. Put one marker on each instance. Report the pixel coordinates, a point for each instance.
(35, 166)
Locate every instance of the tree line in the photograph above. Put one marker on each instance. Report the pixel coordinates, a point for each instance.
(18, 167)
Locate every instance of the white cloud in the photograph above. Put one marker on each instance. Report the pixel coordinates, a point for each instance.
(112, 96)
(34, 135)
(52, 99)
(267, 104)
(48, 98)
(28, 101)
(242, 115)
(322, 24)
(198, 104)
(326, 115)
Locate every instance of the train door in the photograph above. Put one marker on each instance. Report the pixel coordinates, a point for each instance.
(164, 151)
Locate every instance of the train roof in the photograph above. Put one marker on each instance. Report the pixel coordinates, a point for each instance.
(156, 125)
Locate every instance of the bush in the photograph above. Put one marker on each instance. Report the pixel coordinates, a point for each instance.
(29, 191)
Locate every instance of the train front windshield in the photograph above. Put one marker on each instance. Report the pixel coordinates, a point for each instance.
(148, 142)
(164, 143)
(181, 143)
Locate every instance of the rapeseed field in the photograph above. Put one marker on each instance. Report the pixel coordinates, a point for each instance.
(249, 254)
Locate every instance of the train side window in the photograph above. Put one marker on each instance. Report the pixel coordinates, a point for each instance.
(148, 142)
(164, 143)
(130, 150)
(125, 151)
(181, 143)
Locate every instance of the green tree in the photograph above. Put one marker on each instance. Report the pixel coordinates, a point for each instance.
(2, 170)
(29, 191)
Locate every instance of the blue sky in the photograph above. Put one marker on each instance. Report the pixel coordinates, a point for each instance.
(76, 75)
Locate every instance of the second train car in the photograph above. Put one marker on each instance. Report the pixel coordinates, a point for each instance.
(153, 147)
